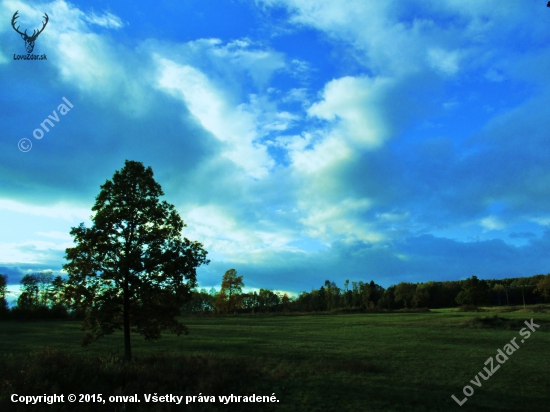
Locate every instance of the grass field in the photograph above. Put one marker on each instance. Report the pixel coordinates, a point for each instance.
(355, 362)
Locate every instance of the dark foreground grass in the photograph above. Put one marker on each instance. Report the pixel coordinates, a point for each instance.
(355, 362)
(54, 372)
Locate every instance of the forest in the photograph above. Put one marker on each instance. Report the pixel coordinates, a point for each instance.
(43, 296)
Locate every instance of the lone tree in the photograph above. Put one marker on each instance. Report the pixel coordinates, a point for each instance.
(131, 270)
(229, 297)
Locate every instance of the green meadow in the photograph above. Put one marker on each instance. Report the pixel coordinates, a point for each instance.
(346, 362)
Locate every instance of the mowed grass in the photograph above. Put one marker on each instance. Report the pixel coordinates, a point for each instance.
(366, 362)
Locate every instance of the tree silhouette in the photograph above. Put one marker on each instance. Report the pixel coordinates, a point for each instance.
(44, 282)
(30, 295)
(229, 297)
(267, 299)
(404, 292)
(131, 270)
(474, 292)
(3, 292)
(543, 286)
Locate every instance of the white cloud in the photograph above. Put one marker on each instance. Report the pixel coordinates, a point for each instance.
(259, 63)
(95, 66)
(492, 223)
(393, 217)
(381, 42)
(299, 95)
(267, 117)
(29, 252)
(354, 110)
(85, 59)
(444, 61)
(107, 20)
(543, 221)
(237, 65)
(233, 125)
(329, 152)
(222, 232)
(356, 103)
(339, 220)
(280, 122)
(396, 39)
(59, 211)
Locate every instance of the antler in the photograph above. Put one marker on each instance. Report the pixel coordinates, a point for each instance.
(43, 26)
(15, 16)
(34, 33)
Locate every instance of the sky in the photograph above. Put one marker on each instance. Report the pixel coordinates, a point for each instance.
(300, 140)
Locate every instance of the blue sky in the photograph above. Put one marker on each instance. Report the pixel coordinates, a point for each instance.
(300, 140)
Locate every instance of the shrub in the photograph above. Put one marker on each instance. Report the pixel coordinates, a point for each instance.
(494, 321)
(469, 308)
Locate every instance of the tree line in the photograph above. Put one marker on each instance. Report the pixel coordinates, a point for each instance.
(363, 296)
(231, 299)
(44, 296)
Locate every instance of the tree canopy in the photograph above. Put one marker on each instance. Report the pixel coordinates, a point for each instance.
(229, 297)
(131, 270)
(474, 292)
(30, 289)
(3, 292)
(543, 286)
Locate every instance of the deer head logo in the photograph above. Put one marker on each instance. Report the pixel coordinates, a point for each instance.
(29, 40)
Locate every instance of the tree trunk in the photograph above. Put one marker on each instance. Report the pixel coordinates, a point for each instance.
(127, 345)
